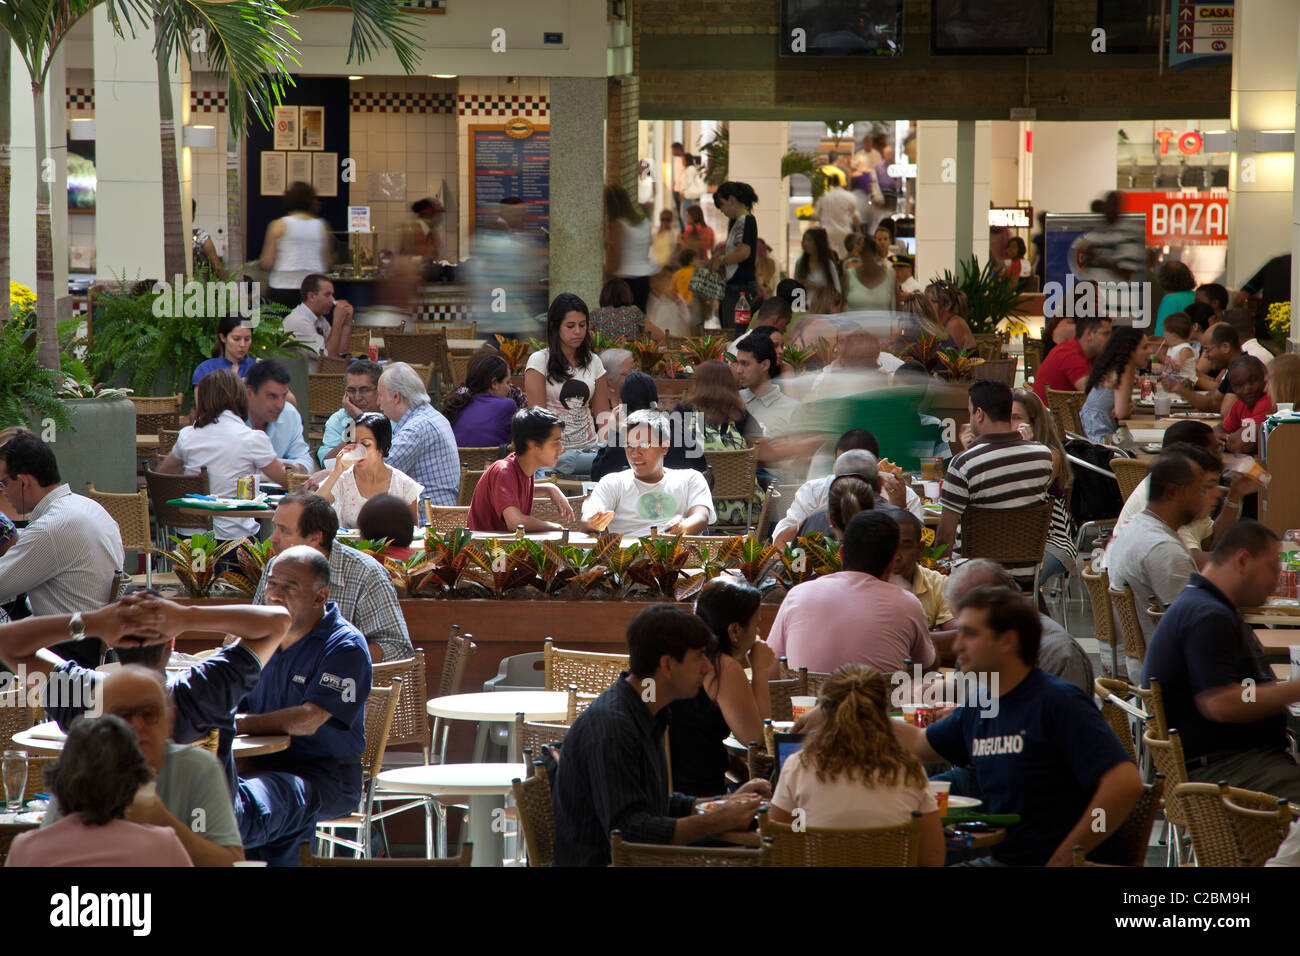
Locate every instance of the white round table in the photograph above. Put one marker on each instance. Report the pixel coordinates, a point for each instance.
(500, 707)
(486, 785)
(47, 740)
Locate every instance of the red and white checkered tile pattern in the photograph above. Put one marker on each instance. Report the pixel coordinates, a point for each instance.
(482, 104)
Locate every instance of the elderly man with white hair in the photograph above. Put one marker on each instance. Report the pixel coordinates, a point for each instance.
(424, 446)
(619, 364)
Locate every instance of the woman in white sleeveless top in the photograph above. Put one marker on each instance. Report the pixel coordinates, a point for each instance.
(627, 245)
(297, 244)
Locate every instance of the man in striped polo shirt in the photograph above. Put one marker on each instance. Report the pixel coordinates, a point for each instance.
(998, 469)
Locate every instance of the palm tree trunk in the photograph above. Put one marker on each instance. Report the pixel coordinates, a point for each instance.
(47, 329)
(234, 225)
(6, 170)
(173, 241)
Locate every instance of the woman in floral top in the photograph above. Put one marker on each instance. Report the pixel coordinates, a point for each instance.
(618, 317)
(723, 424)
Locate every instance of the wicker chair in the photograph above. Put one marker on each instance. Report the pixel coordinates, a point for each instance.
(623, 853)
(1233, 827)
(590, 672)
(324, 393)
(1131, 472)
(164, 488)
(1130, 627)
(209, 741)
(306, 858)
(545, 509)
(152, 414)
(359, 343)
(411, 719)
(445, 517)
(293, 481)
(1098, 586)
(990, 346)
(381, 704)
(812, 681)
(131, 512)
(536, 815)
(1007, 535)
(999, 370)
(461, 331)
(36, 767)
(535, 737)
(1116, 697)
(477, 459)
(468, 482)
(759, 761)
(820, 846)
(16, 715)
(166, 442)
(459, 362)
(735, 476)
(332, 364)
(1134, 834)
(1065, 407)
(780, 692)
(415, 348)
(1166, 750)
(1033, 357)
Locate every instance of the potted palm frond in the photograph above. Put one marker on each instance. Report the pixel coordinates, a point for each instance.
(993, 303)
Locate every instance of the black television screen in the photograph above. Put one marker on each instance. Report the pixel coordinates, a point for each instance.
(1132, 26)
(841, 27)
(1002, 27)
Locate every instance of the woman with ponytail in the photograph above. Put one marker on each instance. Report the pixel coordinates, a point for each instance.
(852, 773)
(728, 702)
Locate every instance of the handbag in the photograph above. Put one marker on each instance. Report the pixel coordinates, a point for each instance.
(707, 284)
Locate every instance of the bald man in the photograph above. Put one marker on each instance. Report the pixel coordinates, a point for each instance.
(314, 689)
(192, 798)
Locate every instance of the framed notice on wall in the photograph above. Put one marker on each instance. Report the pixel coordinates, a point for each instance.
(510, 160)
(273, 182)
(311, 121)
(286, 127)
(325, 173)
(299, 167)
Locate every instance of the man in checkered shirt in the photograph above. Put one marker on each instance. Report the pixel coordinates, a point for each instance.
(424, 447)
(359, 585)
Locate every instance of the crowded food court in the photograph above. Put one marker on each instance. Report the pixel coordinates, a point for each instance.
(884, 459)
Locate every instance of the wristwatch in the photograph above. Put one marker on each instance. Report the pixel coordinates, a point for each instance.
(77, 627)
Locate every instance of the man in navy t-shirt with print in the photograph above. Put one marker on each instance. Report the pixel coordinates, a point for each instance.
(1039, 746)
(314, 689)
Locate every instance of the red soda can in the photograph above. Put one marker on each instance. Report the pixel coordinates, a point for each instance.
(374, 353)
(1148, 388)
(924, 715)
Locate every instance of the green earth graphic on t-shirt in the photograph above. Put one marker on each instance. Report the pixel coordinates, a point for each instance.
(655, 505)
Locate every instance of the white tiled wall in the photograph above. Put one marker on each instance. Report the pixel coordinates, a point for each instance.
(404, 156)
(209, 163)
(81, 227)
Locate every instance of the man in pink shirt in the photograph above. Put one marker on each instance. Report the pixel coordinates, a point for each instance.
(855, 615)
(1067, 367)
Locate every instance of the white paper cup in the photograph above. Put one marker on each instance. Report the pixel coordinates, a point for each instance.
(940, 790)
(932, 490)
(909, 713)
(801, 705)
(1285, 408)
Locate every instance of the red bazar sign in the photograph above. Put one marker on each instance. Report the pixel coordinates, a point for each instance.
(1181, 219)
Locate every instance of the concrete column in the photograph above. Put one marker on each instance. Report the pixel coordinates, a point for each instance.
(25, 167)
(963, 209)
(577, 186)
(952, 194)
(128, 154)
(755, 158)
(1261, 221)
(1077, 163)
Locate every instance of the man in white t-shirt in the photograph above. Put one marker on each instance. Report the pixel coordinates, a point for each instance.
(309, 325)
(838, 214)
(674, 500)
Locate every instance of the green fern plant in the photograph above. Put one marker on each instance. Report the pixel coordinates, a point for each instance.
(28, 390)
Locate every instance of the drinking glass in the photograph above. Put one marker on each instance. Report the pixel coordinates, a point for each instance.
(14, 769)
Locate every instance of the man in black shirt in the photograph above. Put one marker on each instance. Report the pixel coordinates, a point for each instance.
(1219, 695)
(613, 773)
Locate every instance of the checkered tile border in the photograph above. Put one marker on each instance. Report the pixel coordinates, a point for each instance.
(403, 102)
(472, 104)
(80, 99)
(207, 101)
(440, 5)
(440, 311)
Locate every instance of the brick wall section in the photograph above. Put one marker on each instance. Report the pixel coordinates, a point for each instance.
(749, 81)
(622, 113)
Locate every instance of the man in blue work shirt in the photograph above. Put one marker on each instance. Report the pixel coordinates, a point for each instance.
(314, 689)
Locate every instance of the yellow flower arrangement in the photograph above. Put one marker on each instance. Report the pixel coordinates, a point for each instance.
(1279, 319)
(21, 299)
(804, 212)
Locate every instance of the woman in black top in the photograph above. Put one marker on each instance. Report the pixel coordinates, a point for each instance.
(736, 202)
(728, 702)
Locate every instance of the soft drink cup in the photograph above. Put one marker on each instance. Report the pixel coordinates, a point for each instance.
(932, 490)
(924, 716)
(801, 705)
(940, 790)
(909, 713)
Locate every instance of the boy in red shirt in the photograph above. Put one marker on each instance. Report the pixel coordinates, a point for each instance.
(503, 497)
(1249, 379)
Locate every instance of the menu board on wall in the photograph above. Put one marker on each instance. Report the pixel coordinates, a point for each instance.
(510, 160)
